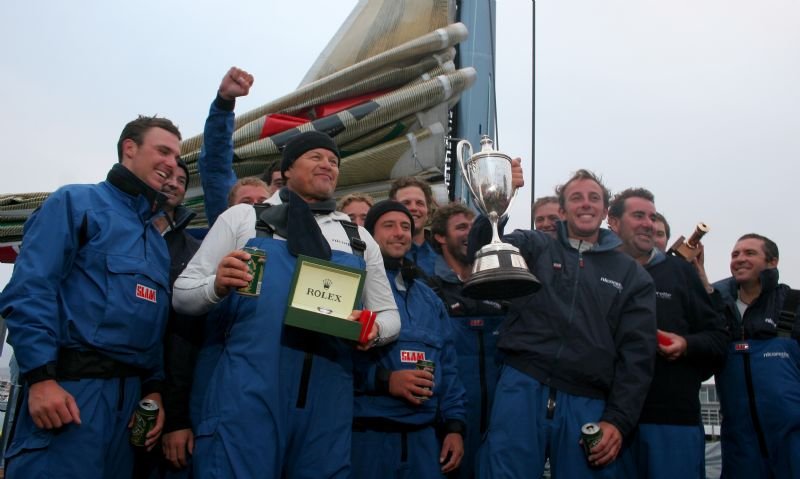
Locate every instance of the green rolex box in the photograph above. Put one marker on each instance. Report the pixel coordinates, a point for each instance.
(323, 295)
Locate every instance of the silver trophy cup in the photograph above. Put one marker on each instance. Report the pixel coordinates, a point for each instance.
(499, 271)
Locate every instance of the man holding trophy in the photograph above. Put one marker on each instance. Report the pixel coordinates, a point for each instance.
(578, 351)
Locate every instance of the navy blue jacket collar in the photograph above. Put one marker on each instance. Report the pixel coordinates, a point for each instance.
(124, 180)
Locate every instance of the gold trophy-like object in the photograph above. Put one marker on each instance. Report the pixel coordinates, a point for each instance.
(499, 271)
(689, 249)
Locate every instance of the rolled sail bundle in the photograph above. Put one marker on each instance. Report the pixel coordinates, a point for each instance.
(435, 46)
(375, 26)
(356, 121)
(385, 112)
(411, 153)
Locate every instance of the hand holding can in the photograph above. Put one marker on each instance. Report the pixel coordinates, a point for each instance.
(255, 266)
(144, 419)
(591, 434)
(429, 366)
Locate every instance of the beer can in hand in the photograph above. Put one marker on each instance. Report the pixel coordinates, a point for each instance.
(255, 266)
(423, 365)
(144, 419)
(591, 434)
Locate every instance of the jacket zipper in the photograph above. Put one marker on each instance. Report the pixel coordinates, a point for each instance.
(482, 376)
(751, 398)
(574, 298)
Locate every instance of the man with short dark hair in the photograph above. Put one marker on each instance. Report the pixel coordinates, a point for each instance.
(669, 440)
(476, 324)
(545, 214)
(398, 406)
(759, 387)
(278, 401)
(182, 339)
(578, 351)
(86, 309)
(273, 178)
(661, 232)
(416, 195)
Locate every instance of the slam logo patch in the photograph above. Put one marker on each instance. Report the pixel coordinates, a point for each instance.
(146, 293)
(411, 356)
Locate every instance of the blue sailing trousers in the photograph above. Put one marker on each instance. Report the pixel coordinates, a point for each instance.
(664, 451)
(759, 390)
(396, 455)
(279, 400)
(521, 436)
(98, 447)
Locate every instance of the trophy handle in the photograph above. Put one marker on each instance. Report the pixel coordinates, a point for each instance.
(510, 202)
(460, 147)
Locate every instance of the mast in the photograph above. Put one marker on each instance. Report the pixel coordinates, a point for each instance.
(476, 112)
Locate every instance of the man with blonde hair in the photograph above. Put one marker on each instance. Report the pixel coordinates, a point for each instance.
(356, 206)
(250, 190)
(545, 214)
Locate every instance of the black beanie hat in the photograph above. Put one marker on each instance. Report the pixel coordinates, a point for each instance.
(308, 140)
(182, 164)
(381, 208)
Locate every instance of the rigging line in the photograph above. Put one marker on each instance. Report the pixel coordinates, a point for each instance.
(493, 85)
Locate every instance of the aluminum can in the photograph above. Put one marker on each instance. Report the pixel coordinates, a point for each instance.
(424, 365)
(143, 421)
(591, 434)
(255, 266)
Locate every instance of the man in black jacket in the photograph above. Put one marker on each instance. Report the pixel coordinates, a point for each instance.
(669, 440)
(580, 350)
(182, 339)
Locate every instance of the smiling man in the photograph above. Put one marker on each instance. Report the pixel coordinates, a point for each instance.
(416, 195)
(279, 401)
(182, 339)
(759, 387)
(669, 440)
(398, 407)
(475, 323)
(86, 309)
(546, 214)
(578, 351)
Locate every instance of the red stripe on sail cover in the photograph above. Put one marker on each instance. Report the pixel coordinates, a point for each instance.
(8, 254)
(278, 122)
(334, 107)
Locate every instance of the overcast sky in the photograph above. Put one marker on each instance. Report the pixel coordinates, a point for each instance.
(697, 100)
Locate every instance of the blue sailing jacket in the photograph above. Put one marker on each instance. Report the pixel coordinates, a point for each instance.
(759, 387)
(425, 334)
(93, 274)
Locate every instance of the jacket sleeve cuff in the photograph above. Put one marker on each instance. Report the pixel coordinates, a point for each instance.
(454, 425)
(42, 373)
(152, 386)
(382, 380)
(623, 429)
(176, 423)
(223, 104)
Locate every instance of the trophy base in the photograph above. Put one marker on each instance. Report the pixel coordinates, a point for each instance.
(500, 272)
